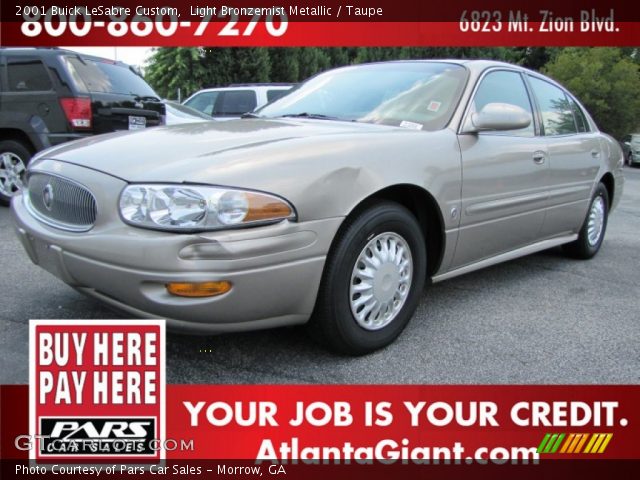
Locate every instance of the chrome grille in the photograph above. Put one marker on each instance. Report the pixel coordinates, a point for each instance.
(60, 202)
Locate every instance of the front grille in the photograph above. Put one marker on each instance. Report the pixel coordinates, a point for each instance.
(61, 202)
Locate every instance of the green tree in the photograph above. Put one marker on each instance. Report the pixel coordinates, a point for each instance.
(285, 65)
(606, 80)
(170, 69)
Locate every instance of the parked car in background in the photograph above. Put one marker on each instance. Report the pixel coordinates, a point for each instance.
(631, 148)
(333, 205)
(49, 96)
(178, 113)
(226, 103)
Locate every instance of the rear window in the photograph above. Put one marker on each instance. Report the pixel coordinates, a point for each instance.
(105, 77)
(27, 74)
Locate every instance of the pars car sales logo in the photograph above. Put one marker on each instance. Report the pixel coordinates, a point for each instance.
(97, 390)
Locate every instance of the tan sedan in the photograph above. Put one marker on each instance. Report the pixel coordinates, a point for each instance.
(333, 205)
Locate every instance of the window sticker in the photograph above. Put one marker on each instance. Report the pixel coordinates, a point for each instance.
(434, 106)
(411, 125)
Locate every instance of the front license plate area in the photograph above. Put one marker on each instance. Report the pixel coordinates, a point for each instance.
(47, 258)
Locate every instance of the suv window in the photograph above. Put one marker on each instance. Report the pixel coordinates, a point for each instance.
(235, 102)
(105, 77)
(276, 94)
(27, 74)
(3, 69)
(203, 102)
(505, 87)
(555, 107)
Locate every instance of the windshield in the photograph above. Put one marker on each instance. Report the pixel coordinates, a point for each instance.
(420, 95)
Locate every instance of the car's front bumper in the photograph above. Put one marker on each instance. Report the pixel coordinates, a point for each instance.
(275, 270)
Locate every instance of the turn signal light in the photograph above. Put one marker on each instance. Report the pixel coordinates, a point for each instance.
(204, 289)
(262, 207)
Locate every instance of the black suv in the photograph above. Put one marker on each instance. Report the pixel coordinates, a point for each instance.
(49, 96)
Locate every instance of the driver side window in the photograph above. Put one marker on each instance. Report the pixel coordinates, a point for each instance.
(504, 87)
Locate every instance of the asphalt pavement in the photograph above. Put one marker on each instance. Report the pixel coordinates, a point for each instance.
(539, 319)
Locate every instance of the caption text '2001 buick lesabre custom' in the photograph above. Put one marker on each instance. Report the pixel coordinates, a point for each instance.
(333, 204)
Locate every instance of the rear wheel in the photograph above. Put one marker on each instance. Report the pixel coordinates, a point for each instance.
(14, 157)
(594, 227)
(372, 282)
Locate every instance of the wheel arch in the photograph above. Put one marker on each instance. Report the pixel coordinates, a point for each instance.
(608, 181)
(424, 207)
(17, 135)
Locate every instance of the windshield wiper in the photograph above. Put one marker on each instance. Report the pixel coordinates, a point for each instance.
(315, 116)
(250, 115)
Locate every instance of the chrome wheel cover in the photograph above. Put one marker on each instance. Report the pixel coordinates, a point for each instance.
(380, 281)
(595, 223)
(12, 171)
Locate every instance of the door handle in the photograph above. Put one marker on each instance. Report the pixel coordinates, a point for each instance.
(539, 158)
(595, 153)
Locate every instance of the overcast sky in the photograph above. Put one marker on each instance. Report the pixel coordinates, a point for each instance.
(131, 55)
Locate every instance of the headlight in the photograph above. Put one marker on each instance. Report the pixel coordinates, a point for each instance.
(197, 208)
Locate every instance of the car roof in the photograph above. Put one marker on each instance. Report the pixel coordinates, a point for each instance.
(475, 66)
(262, 84)
(246, 87)
(55, 51)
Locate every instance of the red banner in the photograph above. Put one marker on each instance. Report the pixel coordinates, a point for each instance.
(381, 23)
(331, 34)
(394, 424)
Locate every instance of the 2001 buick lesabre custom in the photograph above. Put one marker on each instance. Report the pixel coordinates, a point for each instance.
(335, 203)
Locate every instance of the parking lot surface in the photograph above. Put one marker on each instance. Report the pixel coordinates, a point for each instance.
(539, 319)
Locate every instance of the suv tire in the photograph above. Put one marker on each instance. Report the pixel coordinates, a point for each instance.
(14, 158)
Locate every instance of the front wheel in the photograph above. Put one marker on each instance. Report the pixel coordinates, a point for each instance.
(591, 234)
(373, 280)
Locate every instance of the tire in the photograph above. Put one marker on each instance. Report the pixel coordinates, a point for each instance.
(588, 244)
(630, 159)
(14, 158)
(394, 291)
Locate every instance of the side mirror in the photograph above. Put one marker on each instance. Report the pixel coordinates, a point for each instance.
(498, 117)
(628, 144)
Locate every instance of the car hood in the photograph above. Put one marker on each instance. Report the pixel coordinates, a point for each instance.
(203, 152)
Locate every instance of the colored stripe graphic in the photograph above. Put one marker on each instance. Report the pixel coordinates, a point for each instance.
(579, 439)
(592, 440)
(543, 443)
(555, 443)
(603, 447)
(581, 442)
(550, 443)
(569, 441)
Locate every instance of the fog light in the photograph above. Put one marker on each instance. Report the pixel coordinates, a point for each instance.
(204, 289)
